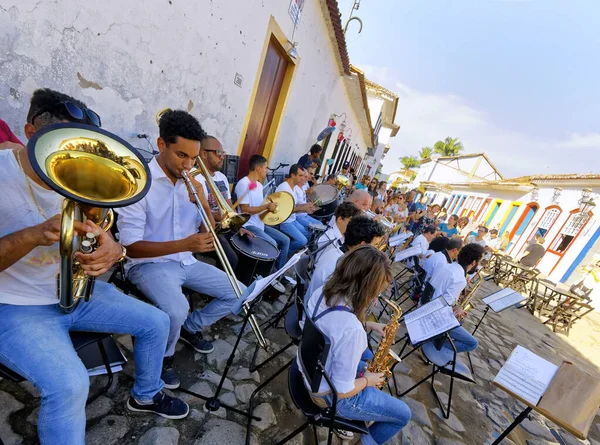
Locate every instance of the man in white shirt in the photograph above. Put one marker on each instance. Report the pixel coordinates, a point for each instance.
(35, 332)
(361, 230)
(249, 192)
(338, 224)
(448, 282)
(421, 245)
(291, 227)
(213, 155)
(300, 196)
(441, 259)
(479, 238)
(161, 235)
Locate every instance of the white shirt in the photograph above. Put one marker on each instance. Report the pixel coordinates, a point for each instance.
(448, 281)
(421, 242)
(164, 214)
(32, 279)
(472, 240)
(254, 198)
(285, 187)
(300, 196)
(222, 184)
(348, 342)
(435, 261)
(331, 234)
(324, 267)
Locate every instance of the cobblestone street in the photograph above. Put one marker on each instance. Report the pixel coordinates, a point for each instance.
(478, 410)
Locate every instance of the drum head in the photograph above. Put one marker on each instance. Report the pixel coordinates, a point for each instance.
(256, 248)
(325, 192)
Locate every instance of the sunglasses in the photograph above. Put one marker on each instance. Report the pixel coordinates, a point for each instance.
(77, 112)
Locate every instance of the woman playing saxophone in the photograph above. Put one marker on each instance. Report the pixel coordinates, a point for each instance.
(339, 309)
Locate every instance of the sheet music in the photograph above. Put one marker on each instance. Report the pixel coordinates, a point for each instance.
(436, 318)
(264, 282)
(399, 239)
(526, 375)
(503, 299)
(407, 253)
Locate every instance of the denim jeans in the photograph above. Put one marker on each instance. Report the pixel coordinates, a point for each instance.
(161, 283)
(35, 343)
(388, 413)
(306, 219)
(462, 339)
(277, 239)
(362, 364)
(298, 234)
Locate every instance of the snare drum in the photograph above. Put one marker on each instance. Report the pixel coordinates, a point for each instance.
(326, 197)
(255, 257)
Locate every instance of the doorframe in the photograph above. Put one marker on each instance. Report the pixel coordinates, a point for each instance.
(274, 33)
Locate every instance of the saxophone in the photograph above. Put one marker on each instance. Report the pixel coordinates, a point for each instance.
(384, 357)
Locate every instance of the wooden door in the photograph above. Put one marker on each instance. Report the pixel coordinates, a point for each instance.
(267, 96)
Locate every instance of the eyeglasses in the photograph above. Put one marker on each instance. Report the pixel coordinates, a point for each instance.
(77, 112)
(217, 152)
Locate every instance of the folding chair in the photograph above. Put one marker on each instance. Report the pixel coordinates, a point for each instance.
(314, 349)
(568, 313)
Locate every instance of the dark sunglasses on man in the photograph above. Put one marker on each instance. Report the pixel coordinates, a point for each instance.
(82, 114)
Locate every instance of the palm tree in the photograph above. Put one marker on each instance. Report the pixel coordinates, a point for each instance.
(409, 162)
(448, 147)
(425, 153)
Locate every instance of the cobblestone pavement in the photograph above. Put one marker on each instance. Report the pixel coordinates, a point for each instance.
(478, 410)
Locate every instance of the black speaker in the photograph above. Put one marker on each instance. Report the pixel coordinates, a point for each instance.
(230, 168)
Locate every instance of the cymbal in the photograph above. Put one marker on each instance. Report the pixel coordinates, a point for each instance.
(285, 206)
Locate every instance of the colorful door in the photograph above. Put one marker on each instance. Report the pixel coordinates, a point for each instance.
(265, 102)
(508, 218)
(490, 217)
(522, 223)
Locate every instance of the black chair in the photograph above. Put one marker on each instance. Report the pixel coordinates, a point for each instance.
(314, 349)
(81, 340)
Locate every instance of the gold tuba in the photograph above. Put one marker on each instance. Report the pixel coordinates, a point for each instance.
(384, 357)
(94, 170)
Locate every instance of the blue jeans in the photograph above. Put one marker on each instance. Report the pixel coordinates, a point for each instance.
(161, 283)
(388, 413)
(35, 343)
(298, 234)
(362, 364)
(462, 339)
(277, 239)
(306, 219)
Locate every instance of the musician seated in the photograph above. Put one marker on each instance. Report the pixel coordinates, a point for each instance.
(298, 234)
(339, 311)
(213, 155)
(449, 281)
(338, 224)
(303, 217)
(362, 199)
(361, 230)
(161, 235)
(249, 191)
(446, 256)
(378, 206)
(421, 242)
(35, 332)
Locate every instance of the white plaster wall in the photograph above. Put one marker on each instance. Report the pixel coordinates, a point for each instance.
(375, 105)
(127, 60)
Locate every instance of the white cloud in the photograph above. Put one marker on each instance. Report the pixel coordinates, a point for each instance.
(426, 118)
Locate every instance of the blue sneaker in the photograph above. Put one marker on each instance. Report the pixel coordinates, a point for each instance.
(162, 404)
(169, 374)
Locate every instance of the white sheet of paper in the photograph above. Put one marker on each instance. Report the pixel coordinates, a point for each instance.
(526, 374)
(407, 253)
(432, 319)
(503, 299)
(399, 239)
(264, 282)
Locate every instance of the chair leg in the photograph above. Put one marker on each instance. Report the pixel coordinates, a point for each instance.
(108, 372)
(293, 434)
(254, 367)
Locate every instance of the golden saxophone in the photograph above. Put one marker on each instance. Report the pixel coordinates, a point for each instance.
(384, 358)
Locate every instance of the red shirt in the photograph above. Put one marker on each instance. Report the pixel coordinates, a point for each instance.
(6, 134)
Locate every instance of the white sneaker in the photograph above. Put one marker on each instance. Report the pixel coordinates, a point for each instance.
(278, 287)
(343, 434)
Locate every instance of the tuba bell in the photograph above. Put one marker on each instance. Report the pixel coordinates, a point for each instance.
(94, 171)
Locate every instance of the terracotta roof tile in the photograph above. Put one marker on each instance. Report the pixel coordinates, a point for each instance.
(336, 20)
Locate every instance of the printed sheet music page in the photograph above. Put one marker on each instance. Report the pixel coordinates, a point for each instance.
(430, 320)
(503, 299)
(526, 375)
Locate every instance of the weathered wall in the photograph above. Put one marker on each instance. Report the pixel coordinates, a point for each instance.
(127, 60)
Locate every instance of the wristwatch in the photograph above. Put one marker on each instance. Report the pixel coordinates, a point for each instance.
(123, 253)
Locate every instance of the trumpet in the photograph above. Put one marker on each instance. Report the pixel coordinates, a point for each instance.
(464, 302)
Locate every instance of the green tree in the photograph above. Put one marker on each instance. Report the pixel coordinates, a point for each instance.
(448, 147)
(409, 162)
(425, 153)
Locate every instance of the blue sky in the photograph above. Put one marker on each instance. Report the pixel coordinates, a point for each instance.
(517, 79)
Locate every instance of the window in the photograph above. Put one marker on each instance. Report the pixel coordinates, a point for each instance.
(547, 220)
(569, 231)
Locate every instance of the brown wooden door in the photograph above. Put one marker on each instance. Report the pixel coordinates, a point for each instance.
(261, 117)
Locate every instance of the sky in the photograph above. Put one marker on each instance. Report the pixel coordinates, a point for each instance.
(516, 79)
